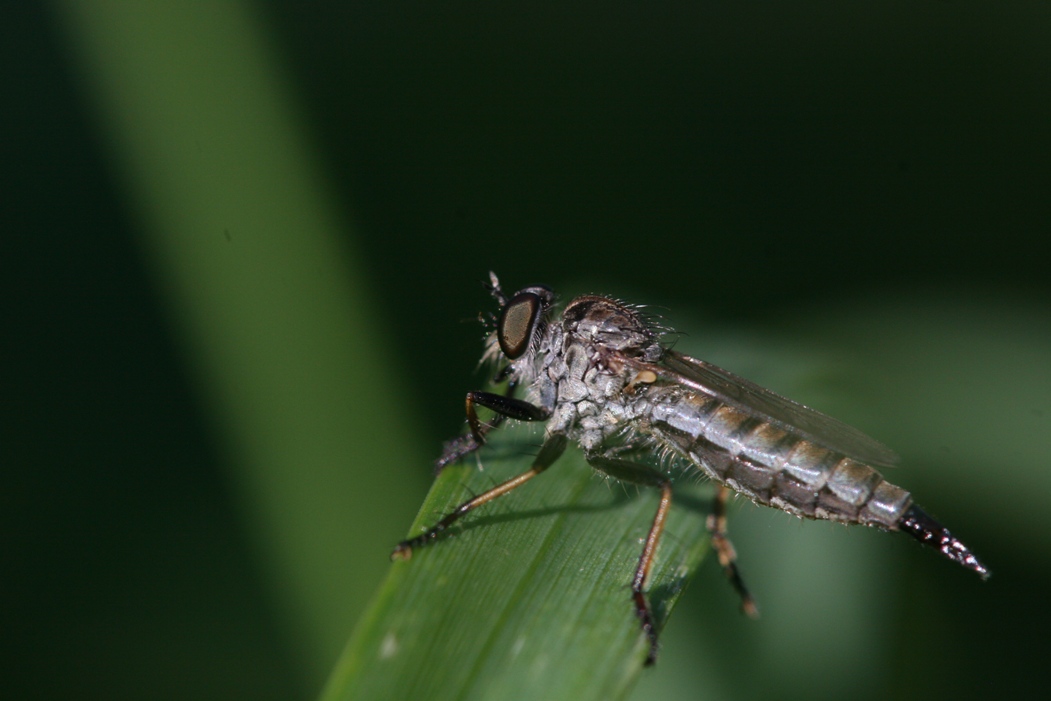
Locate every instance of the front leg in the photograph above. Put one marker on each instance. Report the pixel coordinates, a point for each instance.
(504, 405)
(549, 452)
(637, 473)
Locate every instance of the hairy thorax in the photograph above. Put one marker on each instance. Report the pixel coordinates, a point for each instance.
(578, 377)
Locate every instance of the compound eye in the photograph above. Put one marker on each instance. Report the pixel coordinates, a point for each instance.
(517, 321)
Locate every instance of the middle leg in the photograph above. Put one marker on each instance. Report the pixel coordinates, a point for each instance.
(637, 473)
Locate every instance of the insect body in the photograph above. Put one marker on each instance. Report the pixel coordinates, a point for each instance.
(600, 377)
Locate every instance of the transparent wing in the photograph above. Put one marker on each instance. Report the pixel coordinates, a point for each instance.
(780, 411)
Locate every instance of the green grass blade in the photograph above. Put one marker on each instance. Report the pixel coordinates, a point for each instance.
(530, 599)
(250, 251)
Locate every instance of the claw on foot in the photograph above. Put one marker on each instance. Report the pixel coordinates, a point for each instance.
(402, 552)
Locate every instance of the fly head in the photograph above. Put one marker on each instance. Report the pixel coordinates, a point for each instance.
(522, 319)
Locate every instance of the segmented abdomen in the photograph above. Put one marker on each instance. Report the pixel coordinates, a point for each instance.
(776, 467)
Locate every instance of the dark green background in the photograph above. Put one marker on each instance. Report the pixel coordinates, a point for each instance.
(741, 162)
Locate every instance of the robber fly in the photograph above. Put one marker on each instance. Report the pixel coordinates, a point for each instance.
(600, 376)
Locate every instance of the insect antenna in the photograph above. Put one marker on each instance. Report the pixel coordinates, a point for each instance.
(494, 289)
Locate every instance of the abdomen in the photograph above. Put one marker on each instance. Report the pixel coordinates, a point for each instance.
(776, 467)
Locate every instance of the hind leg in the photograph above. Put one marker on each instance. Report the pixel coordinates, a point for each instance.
(725, 550)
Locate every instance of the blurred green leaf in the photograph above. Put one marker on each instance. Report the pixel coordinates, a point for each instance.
(531, 598)
(250, 250)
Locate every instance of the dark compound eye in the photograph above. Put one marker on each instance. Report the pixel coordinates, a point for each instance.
(517, 321)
